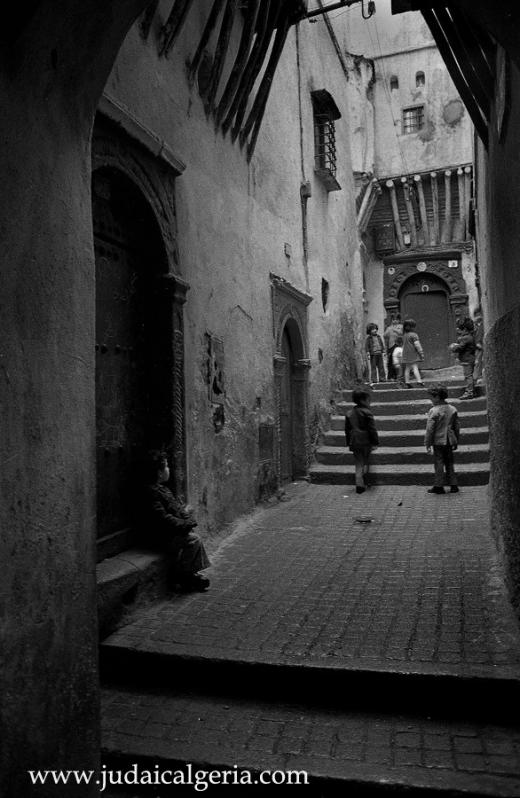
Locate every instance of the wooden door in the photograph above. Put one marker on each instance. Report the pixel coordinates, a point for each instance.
(430, 309)
(286, 412)
(120, 395)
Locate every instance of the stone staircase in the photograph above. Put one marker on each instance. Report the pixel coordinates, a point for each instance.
(401, 458)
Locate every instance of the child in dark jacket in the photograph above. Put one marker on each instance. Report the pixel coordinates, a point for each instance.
(465, 349)
(375, 350)
(169, 525)
(361, 435)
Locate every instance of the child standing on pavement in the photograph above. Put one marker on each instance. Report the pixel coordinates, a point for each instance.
(361, 435)
(465, 349)
(412, 352)
(375, 349)
(442, 432)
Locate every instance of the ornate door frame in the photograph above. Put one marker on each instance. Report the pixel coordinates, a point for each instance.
(114, 149)
(289, 306)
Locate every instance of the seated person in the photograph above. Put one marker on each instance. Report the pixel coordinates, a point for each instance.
(169, 524)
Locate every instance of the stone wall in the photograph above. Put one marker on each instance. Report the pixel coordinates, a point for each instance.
(498, 244)
(238, 223)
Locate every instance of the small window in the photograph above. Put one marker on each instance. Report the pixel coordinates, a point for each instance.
(420, 80)
(325, 112)
(413, 119)
(394, 83)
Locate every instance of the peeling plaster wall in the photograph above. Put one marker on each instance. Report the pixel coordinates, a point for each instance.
(401, 46)
(498, 175)
(234, 220)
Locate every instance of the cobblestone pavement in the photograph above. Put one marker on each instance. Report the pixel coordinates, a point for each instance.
(311, 579)
(358, 747)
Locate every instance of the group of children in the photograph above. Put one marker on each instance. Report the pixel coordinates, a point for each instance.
(442, 427)
(403, 348)
(442, 436)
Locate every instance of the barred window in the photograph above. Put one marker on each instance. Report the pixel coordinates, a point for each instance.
(325, 143)
(325, 112)
(413, 119)
(394, 83)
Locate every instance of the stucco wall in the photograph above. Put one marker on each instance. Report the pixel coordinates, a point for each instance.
(401, 46)
(498, 174)
(48, 667)
(234, 220)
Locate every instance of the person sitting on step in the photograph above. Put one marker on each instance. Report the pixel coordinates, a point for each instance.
(442, 433)
(361, 435)
(169, 526)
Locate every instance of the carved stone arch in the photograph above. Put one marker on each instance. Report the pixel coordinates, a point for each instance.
(291, 370)
(115, 152)
(114, 149)
(442, 271)
(290, 319)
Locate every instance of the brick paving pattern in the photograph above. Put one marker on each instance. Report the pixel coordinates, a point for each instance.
(356, 746)
(305, 580)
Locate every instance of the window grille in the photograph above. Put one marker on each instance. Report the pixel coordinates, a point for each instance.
(413, 119)
(325, 143)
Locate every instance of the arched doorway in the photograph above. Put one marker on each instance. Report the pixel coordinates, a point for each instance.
(133, 342)
(425, 298)
(291, 374)
(286, 410)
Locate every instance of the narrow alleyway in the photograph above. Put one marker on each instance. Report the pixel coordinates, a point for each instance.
(367, 639)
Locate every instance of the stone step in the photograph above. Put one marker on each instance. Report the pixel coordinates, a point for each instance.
(342, 753)
(414, 406)
(433, 689)
(406, 422)
(417, 474)
(125, 582)
(404, 455)
(410, 437)
(399, 394)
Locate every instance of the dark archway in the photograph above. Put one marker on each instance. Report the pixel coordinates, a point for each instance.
(291, 369)
(133, 343)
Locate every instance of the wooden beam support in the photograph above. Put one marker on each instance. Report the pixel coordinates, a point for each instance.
(467, 55)
(256, 57)
(481, 124)
(145, 23)
(257, 66)
(244, 49)
(395, 213)
(477, 57)
(220, 54)
(255, 117)
(267, 78)
(446, 224)
(460, 227)
(173, 24)
(422, 208)
(410, 211)
(467, 198)
(206, 35)
(435, 203)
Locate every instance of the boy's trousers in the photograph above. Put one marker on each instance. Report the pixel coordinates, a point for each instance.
(361, 458)
(443, 459)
